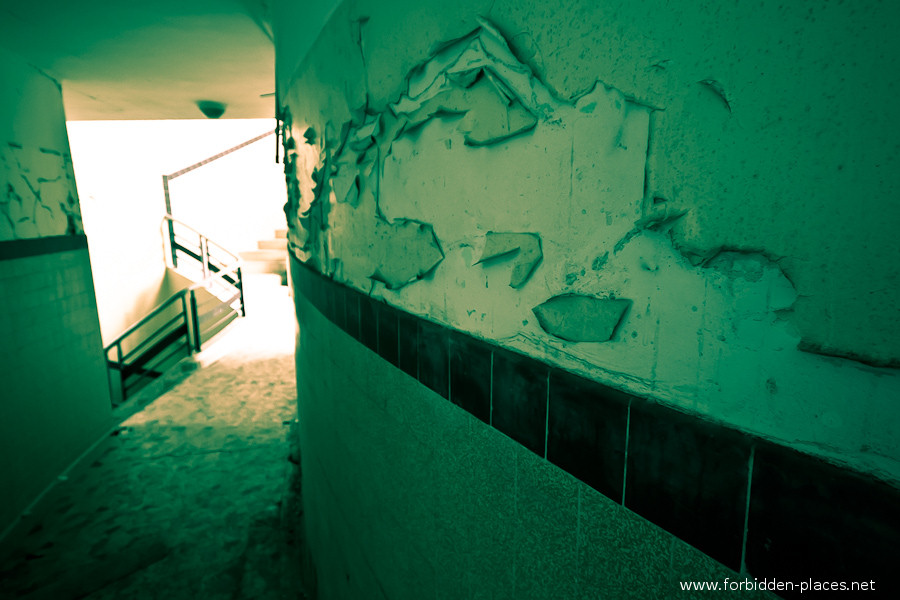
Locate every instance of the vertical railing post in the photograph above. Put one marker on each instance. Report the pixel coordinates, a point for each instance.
(204, 254)
(195, 319)
(165, 179)
(110, 379)
(121, 370)
(187, 327)
(240, 286)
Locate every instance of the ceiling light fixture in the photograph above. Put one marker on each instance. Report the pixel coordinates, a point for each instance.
(211, 109)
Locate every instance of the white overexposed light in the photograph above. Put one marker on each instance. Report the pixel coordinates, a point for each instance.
(235, 200)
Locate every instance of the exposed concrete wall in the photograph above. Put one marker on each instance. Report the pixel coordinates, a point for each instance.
(719, 169)
(55, 401)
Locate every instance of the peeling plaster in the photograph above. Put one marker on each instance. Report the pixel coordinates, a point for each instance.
(576, 318)
(718, 89)
(407, 252)
(821, 349)
(475, 88)
(652, 200)
(525, 247)
(773, 172)
(37, 193)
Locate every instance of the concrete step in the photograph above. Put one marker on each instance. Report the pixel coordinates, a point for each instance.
(273, 244)
(266, 260)
(264, 266)
(276, 268)
(281, 233)
(257, 281)
(265, 255)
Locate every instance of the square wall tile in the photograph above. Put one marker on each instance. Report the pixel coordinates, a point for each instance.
(339, 301)
(408, 344)
(298, 275)
(328, 299)
(368, 323)
(519, 399)
(314, 288)
(387, 334)
(470, 375)
(307, 280)
(813, 520)
(351, 313)
(586, 431)
(322, 291)
(689, 476)
(434, 368)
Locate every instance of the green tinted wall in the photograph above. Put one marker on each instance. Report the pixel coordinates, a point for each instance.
(684, 204)
(407, 495)
(54, 401)
(719, 171)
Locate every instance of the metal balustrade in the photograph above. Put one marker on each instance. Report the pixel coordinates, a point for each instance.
(180, 325)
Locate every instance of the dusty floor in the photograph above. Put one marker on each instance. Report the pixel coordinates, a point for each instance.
(195, 496)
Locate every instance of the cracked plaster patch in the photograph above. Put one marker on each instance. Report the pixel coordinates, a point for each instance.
(473, 88)
(404, 252)
(719, 90)
(578, 318)
(587, 155)
(488, 114)
(473, 99)
(524, 247)
(37, 193)
(474, 85)
(702, 333)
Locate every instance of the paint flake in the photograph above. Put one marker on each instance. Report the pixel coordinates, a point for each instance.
(404, 252)
(526, 247)
(577, 318)
(718, 89)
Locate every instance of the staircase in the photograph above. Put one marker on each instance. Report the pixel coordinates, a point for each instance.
(182, 324)
(269, 257)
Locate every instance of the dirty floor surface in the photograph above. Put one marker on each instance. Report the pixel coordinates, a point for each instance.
(194, 497)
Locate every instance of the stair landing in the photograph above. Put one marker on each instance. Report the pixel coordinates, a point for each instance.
(269, 257)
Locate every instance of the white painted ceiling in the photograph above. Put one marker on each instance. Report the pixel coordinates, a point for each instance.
(154, 59)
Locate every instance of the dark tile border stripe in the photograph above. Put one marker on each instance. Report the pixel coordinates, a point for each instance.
(519, 399)
(470, 375)
(434, 357)
(845, 529)
(689, 476)
(804, 518)
(586, 430)
(13, 249)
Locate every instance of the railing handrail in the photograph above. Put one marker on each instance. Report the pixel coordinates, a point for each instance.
(218, 270)
(160, 307)
(172, 219)
(218, 274)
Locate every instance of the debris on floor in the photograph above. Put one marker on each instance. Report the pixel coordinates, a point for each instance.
(193, 497)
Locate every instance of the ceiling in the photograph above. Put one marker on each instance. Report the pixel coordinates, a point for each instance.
(148, 60)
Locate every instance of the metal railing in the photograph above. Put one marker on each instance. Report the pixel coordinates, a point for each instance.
(186, 320)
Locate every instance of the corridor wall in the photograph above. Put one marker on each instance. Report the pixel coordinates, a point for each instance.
(54, 401)
(662, 229)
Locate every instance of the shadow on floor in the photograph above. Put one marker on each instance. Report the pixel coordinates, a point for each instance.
(194, 496)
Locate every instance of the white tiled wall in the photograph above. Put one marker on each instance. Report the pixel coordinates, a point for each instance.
(54, 399)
